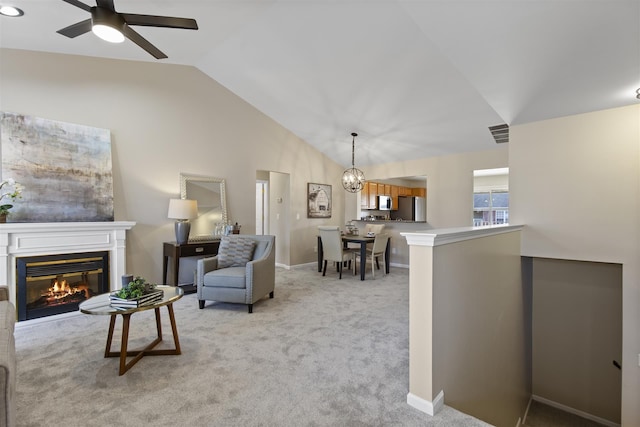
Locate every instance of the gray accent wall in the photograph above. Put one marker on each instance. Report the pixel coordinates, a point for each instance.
(577, 334)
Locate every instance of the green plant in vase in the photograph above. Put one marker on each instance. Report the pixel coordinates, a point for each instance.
(135, 289)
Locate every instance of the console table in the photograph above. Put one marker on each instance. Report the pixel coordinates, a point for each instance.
(175, 252)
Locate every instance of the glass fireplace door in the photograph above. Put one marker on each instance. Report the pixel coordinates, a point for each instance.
(55, 284)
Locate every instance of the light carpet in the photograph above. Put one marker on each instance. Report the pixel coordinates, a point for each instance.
(323, 352)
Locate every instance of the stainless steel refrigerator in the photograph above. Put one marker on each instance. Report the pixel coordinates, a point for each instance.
(411, 209)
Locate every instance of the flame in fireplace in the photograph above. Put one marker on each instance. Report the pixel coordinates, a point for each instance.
(61, 289)
(59, 286)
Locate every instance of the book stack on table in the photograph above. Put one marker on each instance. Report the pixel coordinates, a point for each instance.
(146, 299)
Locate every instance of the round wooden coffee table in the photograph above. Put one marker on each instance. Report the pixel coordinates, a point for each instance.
(100, 305)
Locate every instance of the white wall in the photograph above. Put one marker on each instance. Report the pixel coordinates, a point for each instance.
(490, 182)
(575, 183)
(449, 191)
(166, 119)
(449, 182)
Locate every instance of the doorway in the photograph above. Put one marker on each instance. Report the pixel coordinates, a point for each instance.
(262, 207)
(273, 211)
(577, 337)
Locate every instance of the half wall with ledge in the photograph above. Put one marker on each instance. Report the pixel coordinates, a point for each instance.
(468, 330)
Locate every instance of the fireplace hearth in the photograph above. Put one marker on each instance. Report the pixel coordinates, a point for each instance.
(53, 284)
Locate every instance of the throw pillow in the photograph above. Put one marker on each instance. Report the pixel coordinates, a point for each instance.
(235, 251)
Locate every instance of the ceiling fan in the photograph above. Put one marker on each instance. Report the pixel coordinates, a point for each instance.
(113, 26)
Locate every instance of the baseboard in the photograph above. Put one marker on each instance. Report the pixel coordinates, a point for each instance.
(393, 264)
(526, 411)
(429, 408)
(285, 266)
(300, 266)
(574, 411)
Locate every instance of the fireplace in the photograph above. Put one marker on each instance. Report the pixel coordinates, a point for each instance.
(54, 284)
(20, 240)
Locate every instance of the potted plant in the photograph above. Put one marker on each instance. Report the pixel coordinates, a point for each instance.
(135, 289)
(137, 293)
(9, 189)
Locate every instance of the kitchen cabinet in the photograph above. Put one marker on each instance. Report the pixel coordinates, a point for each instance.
(419, 192)
(394, 197)
(371, 191)
(364, 196)
(373, 195)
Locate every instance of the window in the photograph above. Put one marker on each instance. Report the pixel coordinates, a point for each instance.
(490, 207)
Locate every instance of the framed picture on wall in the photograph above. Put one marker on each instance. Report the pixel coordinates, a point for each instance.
(65, 169)
(318, 200)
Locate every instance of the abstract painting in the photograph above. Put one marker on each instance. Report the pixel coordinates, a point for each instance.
(65, 169)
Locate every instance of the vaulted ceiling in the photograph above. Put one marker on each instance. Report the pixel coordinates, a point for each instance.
(413, 78)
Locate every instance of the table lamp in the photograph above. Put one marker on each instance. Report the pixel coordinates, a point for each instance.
(182, 210)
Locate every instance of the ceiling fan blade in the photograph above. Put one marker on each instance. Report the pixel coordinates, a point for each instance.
(143, 43)
(77, 29)
(160, 21)
(79, 4)
(107, 4)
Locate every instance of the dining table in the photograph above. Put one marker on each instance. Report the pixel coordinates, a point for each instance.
(363, 241)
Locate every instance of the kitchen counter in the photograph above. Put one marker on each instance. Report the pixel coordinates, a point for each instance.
(399, 247)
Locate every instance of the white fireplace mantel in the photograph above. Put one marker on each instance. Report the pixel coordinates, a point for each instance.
(51, 238)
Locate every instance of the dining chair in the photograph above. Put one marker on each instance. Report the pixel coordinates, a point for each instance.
(378, 250)
(373, 228)
(332, 247)
(368, 228)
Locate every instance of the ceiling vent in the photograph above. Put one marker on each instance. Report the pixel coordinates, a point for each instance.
(500, 133)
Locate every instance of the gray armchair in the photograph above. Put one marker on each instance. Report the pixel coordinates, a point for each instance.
(238, 274)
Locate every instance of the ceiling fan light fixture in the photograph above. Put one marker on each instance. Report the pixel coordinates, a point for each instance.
(107, 25)
(11, 11)
(638, 93)
(114, 27)
(108, 33)
(353, 178)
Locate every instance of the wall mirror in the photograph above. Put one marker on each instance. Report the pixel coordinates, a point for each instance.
(210, 193)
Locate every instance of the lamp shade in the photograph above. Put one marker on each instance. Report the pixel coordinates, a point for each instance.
(183, 209)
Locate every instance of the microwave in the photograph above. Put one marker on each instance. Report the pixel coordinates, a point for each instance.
(384, 203)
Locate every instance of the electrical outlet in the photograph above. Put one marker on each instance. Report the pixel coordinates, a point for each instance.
(315, 249)
(393, 250)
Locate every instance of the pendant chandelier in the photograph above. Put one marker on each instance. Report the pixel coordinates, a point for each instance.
(353, 178)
